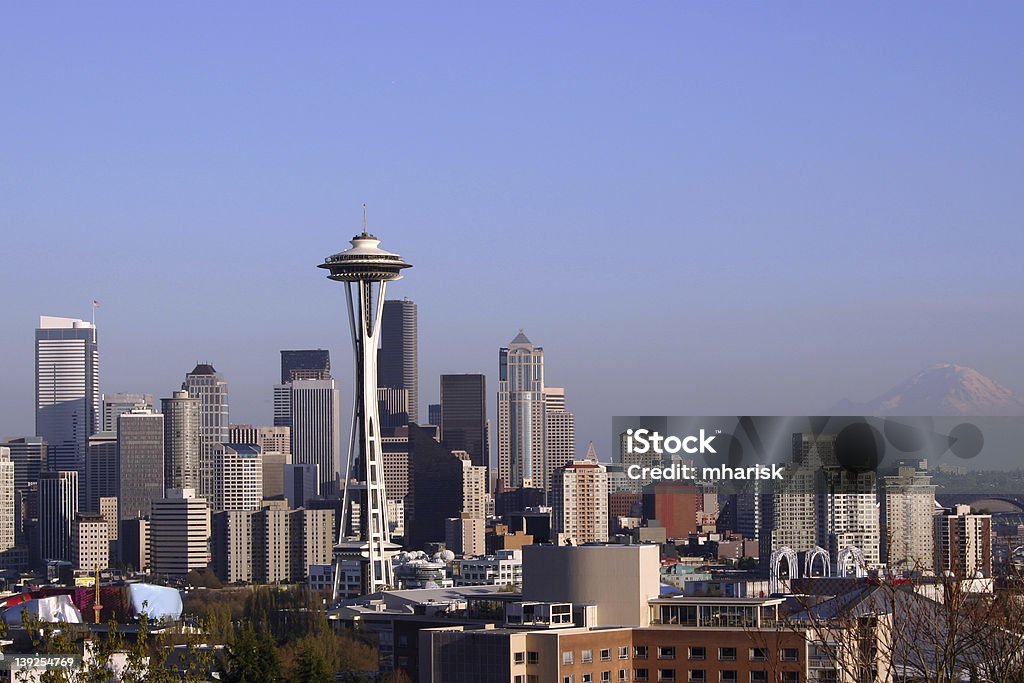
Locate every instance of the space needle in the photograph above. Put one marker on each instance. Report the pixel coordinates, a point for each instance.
(366, 269)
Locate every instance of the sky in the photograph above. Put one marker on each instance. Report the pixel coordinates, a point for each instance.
(695, 208)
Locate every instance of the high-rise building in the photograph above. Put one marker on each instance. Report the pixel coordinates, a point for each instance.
(393, 405)
(474, 487)
(398, 360)
(102, 470)
(366, 269)
(114, 405)
(28, 454)
(305, 364)
(209, 386)
(67, 389)
(140, 454)
(275, 439)
(908, 511)
(238, 477)
(521, 414)
(963, 543)
(464, 536)
(58, 507)
(179, 533)
(90, 543)
(301, 483)
(464, 416)
(559, 432)
(436, 488)
(316, 428)
(182, 446)
(283, 405)
(7, 526)
(434, 414)
(231, 545)
(272, 543)
(579, 496)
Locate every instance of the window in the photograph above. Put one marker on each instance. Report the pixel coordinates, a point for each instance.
(623, 675)
(606, 677)
(606, 654)
(532, 657)
(519, 657)
(697, 676)
(758, 677)
(587, 678)
(568, 679)
(666, 674)
(518, 679)
(727, 654)
(790, 677)
(640, 674)
(567, 657)
(759, 654)
(790, 654)
(729, 677)
(640, 652)
(624, 652)
(698, 653)
(587, 656)
(668, 652)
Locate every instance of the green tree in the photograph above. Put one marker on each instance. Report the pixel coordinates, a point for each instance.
(311, 666)
(252, 657)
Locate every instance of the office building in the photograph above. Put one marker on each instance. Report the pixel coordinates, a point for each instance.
(108, 511)
(58, 507)
(140, 448)
(209, 386)
(579, 493)
(316, 428)
(463, 419)
(7, 516)
(301, 483)
(238, 477)
(29, 455)
(521, 414)
(67, 390)
(393, 405)
(283, 405)
(398, 361)
(963, 543)
(182, 444)
(436, 488)
(312, 540)
(305, 364)
(102, 470)
(179, 533)
(116, 404)
(272, 543)
(559, 432)
(434, 414)
(464, 535)
(134, 546)
(474, 486)
(90, 543)
(276, 439)
(908, 512)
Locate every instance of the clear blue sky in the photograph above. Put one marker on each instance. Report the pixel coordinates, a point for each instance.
(696, 208)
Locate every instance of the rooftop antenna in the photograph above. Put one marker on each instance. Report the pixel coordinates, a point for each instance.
(364, 218)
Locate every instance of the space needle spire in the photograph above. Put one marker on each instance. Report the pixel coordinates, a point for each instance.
(365, 269)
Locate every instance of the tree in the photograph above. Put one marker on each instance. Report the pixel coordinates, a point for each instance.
(311, 667)
(252, 657)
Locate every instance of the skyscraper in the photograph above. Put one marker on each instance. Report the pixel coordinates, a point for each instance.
(6, 502)
(140, 448)
(398, 360)
(316, 428)
(559, 433)
(579, 493)
(394, 409)
(179, 533)
(114, 405)
(67, 389)
(102, 470)
(58, 507)
(521, 413)
(238, 477)
(366, 269)
(464, 416)
(29, 457)
(209, 386)
(305, 364)
(181, 440)
(908, 509)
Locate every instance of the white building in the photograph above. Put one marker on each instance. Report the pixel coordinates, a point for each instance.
(579, 495)
(209, 386)
(908, 516)
(91, 543)
(504, 568)
(521, 414)
(238, 477)
(179, 533)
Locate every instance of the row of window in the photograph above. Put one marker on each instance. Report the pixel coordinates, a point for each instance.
(669, 676)
(725, 654)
